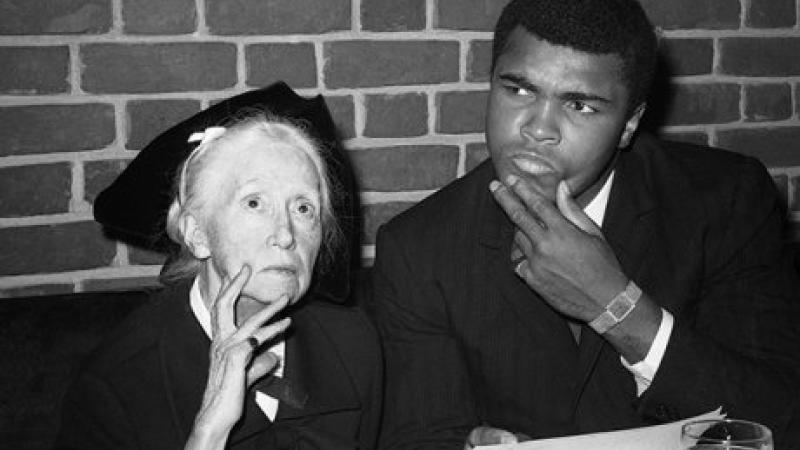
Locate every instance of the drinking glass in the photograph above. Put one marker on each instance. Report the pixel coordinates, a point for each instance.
(729, 434)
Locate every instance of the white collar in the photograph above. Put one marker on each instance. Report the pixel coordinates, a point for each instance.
(596, 209)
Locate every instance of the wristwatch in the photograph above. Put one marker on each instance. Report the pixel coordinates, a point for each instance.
(617, 309)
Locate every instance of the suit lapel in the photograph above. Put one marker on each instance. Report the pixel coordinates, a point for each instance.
(315, 368)
(184, 359)
(628, 225)
(495, 238)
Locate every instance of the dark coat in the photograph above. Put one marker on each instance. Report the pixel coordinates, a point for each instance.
(144, 386)
(468, 343)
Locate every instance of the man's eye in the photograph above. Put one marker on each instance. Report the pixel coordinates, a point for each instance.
(517, 90)
(580, 107)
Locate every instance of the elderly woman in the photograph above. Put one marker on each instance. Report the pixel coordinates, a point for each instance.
(236, 356)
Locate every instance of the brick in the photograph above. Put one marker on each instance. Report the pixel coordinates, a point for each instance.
(120, 284)
(479, 61)
(226, 17)
(342, 110)
(478, 15)
(684, 57)
(392, 15)
(782, 185)
(760, 56)
(55, 128)
(168, 67)
(34, 190)
(376, 215)
(149, 118)
(55, 17)
(689, 137)
(461, 112)
(98, 175)
(693, 14)
(477, 153)
(159, 16)
(293, 63)
(34, 70)
(767, 102)
(396, 115)
(141, 256)
(774, 146)
(385, 63)
(37, 290)
(54, 248)
(771, 14)
(403, 168)
(692, 104)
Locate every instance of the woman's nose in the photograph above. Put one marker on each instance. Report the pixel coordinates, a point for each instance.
(282, 234)
(542, 124)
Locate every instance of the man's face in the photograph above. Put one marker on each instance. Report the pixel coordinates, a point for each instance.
(264, 210)
(556, 114)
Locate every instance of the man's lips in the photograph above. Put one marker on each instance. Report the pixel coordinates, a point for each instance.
(531, 164)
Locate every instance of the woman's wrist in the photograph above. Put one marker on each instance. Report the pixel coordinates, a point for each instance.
(206, 435)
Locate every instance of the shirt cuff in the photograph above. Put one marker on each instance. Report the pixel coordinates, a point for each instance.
(645, 370)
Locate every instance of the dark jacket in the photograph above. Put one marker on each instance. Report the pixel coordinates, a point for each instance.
(144, 386)
(468, 343)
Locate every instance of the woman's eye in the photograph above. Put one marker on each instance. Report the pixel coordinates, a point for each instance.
(253, 203)
(306, 209)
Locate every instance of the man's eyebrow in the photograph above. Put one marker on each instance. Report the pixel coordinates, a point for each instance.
(525, 83)
(519, 80)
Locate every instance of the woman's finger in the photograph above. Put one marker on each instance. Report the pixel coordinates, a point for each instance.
(223, 316)
(268, 332)
(261, 365)
(249, 326)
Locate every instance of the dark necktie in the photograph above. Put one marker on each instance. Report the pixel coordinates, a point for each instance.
(283, 390)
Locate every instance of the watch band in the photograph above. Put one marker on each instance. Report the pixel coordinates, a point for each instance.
(617, 309)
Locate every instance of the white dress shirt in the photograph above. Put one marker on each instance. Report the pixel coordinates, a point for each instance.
(267, 404)
(645, 370)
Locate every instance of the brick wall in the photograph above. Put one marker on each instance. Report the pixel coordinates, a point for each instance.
(84, 84)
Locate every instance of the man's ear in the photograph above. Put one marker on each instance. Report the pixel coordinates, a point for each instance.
(194, 236)
(631, 125)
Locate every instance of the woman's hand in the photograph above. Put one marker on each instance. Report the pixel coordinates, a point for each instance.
(232, 367)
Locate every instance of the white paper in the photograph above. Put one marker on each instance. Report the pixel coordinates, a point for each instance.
(658, 437)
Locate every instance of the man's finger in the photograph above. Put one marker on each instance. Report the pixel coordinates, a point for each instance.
(537, 204)
(223, 318)
(490, 436)
(574, 213)
(516, 210)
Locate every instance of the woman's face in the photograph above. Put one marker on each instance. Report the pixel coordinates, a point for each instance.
(262, 208)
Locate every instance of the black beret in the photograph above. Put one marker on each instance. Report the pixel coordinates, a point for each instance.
(134, 207)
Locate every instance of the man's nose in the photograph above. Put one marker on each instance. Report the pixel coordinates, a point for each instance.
(542, 124)
(282, 233)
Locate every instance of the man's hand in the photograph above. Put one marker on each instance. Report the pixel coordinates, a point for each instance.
(566, 258)
(569, 263)
(484, 435)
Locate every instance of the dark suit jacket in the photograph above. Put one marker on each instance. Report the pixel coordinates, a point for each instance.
(468, 343)
(144, 387)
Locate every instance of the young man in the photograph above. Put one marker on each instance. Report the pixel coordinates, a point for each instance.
(586, 278)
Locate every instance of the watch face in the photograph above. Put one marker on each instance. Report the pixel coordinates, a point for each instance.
(620, 307)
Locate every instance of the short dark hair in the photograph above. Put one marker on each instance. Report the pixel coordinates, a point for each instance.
(618, 27)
